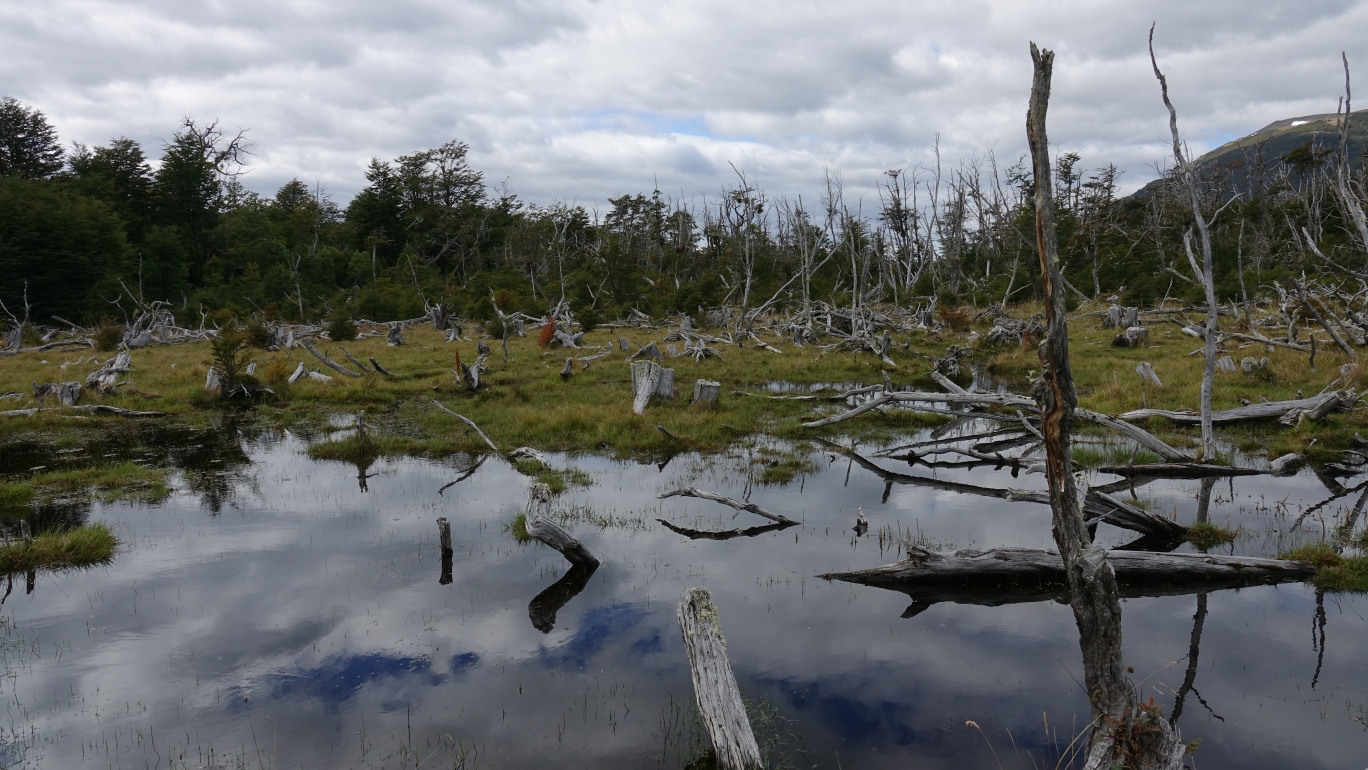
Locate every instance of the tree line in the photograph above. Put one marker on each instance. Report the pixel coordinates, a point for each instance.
(86, 231)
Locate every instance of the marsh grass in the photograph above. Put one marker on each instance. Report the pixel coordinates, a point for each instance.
(108, 483)
(1338, 573)
(1206, 535)
(83, 547)
(518, 528)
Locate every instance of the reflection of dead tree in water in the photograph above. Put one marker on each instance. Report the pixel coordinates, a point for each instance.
(544, 606)
(1092, 584)
(1191, 676)
(1318, 635)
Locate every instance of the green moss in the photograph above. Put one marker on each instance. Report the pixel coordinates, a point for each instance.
(89, 545)
(1207, 536)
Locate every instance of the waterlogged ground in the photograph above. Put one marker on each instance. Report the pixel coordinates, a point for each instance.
(278, 612)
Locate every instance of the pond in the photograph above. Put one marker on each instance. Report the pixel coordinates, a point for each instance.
(281, 612)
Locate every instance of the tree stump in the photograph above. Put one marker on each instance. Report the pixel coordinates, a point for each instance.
(718, 697)
(1132, 317)
(650, 379)
(395, 337)
(299, 371)
(706, 391)
(672, 351)
(1147, 374)
(214, 383)
(568, 369)
(622, 344)
(1113, 317)
(1225, 364)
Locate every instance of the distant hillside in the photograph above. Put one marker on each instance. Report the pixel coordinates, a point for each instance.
(1300, 142)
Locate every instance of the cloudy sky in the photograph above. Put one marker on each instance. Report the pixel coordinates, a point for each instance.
(581, 99)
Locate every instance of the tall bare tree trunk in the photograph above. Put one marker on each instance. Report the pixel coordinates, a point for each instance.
(1092, 584)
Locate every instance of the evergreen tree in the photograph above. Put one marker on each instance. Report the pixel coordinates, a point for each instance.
(28, 144)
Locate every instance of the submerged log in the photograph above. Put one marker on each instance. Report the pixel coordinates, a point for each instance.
(718, 697)
(541, 528)
(1035, 567)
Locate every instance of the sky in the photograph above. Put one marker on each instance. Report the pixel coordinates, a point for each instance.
(579, 100)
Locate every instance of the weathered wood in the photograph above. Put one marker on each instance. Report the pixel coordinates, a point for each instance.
(943, 381)
(444, 534)
(299, 371)
(527, 452)
(104, 378)
(1147, 374)
(1040, 567)
(379, 368)
(706, 392)
(665, 387)
(727, 501)
(568, 369)
(319, 377)
(649, 351)
(718, 697)
(647, 379)
(66, 393)
(672, 351)
(480, 348)
(395, 337)
(1225, 364)
(472, 425)
(1285, 465)
(1178, 470)
(327, 361)
(541, 528)
(569, 340)
(1262, 411)
(353, 359)
(622, 344)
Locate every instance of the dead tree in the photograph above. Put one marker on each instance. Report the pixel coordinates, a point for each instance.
(1093, 593)
(540, 527)
(1188, 175)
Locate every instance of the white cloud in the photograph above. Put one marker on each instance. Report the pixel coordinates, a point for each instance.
(582, 100)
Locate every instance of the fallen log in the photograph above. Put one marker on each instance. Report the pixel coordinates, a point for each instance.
(353, 359)
(1097, 506)
(49, 346)
(472, 425)
(718, 697)
(380, 368)
(66, 393)
(1263, 411)
(116, 411)
(727, 501)
(1178, 470)
(327, 361)
(541, 528)
(968, 568)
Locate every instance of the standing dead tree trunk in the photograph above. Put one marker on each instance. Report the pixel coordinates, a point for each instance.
(1189, 177)
(1093, 594)
(719, 699)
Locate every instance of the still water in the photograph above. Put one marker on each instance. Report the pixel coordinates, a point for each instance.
(278, 612)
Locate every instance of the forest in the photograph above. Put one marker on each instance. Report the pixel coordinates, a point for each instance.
(87, 234)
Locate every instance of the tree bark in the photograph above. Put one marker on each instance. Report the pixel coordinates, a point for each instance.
(719, 699)
(1092, 584)
(541, 528)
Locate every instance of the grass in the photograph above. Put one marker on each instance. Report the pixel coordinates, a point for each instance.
(108, 483)
(518, 528)
(1206, 536)
(87, 546)
(1338, 573)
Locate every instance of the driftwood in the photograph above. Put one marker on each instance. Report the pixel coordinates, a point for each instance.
(569, 340)
(327, 361)
(472, 425)
(718, 697)
(727, 501)
(540, 527)
(1263, 411)
(318, 376)
(649, 351)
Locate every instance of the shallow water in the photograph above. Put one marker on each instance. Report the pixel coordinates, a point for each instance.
(274, 614)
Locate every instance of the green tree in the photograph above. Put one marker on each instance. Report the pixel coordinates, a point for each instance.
(28, 144)
(120, 176)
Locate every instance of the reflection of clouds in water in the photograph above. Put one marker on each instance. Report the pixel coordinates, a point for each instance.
(357, 623)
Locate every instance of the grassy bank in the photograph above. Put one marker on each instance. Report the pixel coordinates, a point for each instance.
(107, 483)
(1338, 572)
(526, 402)
(87, 546)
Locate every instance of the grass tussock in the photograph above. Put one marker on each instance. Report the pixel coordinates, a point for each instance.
(1338, 572)
(84, 547)
(518, 529)
(108, 483)
(16, 495)
(1206, 535)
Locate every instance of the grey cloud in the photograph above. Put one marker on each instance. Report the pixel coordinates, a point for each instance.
(781, 89)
